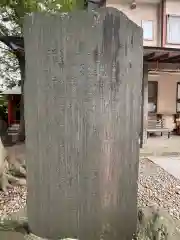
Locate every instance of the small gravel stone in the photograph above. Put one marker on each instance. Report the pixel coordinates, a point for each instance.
(156, 186)
(12, 200)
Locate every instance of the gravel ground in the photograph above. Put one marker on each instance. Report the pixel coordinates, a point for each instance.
(12, 200)
(15, 198)
(156, 186)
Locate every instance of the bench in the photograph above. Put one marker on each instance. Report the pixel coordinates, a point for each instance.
(155, 126)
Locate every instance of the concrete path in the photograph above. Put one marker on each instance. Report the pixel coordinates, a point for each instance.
(161, 146)
(169, 164)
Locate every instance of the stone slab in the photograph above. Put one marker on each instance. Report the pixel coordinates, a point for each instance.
(82, 112)
(169, 164)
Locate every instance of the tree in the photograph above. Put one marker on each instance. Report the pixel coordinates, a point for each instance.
(9, 69)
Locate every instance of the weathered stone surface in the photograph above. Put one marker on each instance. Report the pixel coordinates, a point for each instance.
(82, 111)
(153, 224)
(156, 224)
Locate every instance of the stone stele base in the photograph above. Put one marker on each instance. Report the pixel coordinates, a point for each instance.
(153, 224)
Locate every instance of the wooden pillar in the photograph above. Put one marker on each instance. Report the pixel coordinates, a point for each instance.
(144, 106)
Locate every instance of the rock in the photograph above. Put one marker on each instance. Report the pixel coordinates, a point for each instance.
(21, 215)
(156, 224)
(10, 235)
(17, 222)
(13, 225)
(33, 237)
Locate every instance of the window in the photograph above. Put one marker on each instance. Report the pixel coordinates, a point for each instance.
(152, 96)
(178, 98)
(147, 30)
(173, 29)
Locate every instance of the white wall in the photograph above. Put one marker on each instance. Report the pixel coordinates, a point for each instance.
(142, 12)
(167, 90)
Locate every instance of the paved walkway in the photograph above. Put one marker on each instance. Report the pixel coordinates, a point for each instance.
(161, 146)
(169, 164)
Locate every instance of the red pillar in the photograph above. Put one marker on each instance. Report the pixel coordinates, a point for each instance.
(10, 110)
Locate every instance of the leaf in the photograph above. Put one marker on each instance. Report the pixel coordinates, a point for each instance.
(12, 14)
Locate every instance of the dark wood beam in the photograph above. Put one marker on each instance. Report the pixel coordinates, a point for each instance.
(172, 59)
(149, 56)
(159, 57)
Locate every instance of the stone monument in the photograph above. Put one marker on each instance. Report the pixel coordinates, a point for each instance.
(82, 114)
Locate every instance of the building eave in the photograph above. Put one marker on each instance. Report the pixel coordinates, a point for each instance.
(161, 55)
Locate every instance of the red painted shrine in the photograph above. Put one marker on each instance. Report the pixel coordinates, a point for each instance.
(14, 98)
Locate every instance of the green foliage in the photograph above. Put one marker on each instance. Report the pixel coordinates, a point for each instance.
(12, 14)
(3, 113)
(9, 68)
(3, 108)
